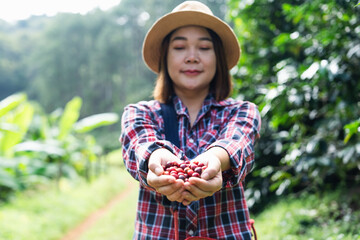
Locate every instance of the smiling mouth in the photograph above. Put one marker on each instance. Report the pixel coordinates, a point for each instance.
(192, 72)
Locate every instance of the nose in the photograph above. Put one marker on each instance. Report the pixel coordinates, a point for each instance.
(192, 57)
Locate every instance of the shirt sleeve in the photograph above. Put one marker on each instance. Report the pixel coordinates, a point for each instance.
(238, 138)
(141, 135)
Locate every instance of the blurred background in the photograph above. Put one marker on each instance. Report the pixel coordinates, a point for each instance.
(67, 72)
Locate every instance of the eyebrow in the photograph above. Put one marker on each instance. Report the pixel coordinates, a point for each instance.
(184, 38)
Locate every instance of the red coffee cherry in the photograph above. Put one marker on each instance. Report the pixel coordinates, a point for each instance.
(184, 170)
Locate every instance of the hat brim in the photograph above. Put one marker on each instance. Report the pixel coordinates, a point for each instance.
(168, 23)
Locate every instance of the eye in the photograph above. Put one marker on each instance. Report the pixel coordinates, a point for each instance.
(205, 48)
(178, 46)
(205, 45)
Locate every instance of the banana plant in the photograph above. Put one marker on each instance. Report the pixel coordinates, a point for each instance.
(11, 102)
(67, 140)
(15, 117)
(35, 145)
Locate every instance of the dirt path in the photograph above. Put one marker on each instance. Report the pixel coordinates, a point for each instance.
(76, 233)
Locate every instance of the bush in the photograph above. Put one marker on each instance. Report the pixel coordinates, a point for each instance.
(299, 63)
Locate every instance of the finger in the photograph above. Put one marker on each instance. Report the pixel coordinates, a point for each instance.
(159, 158)
(194, 192)
(198, 183)
(188, 197)
(211, 171)
(173, 191)
(156, 168)
(176, 196)
(212, 185)
(159, 181)
(168, 189)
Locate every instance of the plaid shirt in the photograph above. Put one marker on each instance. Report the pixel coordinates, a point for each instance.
(232, 125)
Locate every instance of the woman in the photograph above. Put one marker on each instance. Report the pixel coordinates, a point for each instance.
(192, 52)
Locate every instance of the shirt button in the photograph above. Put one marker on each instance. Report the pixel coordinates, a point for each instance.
(191, 140)
(191, 232)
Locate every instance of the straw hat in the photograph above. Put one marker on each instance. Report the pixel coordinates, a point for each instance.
(188, 13)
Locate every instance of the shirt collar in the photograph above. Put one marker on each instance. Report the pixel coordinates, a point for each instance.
(208, 103)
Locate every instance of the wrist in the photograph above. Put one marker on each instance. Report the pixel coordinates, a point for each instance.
(222, 155)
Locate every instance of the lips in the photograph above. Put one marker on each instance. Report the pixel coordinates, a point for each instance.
(192, 72)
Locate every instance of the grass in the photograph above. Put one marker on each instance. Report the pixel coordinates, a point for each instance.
(48, 215)
(314, 217)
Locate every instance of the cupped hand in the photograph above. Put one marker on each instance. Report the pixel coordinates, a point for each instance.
(164, 184)
(210, 182)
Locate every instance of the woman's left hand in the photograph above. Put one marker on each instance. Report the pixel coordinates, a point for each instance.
(210, 182)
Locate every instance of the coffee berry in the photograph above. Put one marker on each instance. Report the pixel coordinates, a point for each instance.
(184, 170)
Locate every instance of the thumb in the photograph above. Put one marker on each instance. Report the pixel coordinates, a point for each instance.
(209, 173)
(213, 168)
(156, 168)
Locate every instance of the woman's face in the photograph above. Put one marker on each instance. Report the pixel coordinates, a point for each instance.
(191, 60)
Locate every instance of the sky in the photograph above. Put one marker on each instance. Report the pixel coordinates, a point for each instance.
(14, 10)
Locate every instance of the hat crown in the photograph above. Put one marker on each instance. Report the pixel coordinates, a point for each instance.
(193, 6)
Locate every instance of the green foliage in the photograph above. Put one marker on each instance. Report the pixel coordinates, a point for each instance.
(318, 217)
(15, 117)
(21, 118)
(36, 147)
(351, 129)
(300, 63)
(11, 102)
(12, 70)
(89, 123)
(69, 117)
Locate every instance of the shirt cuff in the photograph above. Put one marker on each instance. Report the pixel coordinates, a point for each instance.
(143, 154)
(241, 161)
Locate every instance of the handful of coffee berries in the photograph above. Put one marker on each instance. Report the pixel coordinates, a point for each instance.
(184, 170)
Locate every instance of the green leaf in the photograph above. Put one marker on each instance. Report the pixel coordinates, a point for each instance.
(34, 146)
(95, 121)
(282, 39)
(22, 119)
(351, 129)
(11, 102)
(287, 7)
(70, 116)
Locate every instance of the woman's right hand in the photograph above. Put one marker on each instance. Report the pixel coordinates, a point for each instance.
(164, 184)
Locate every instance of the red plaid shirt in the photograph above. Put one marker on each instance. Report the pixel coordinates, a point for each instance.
(232, 125)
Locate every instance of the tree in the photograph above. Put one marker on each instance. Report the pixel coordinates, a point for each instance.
(300, 64)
